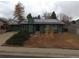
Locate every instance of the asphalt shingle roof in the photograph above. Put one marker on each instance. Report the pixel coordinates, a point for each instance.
(38, 21)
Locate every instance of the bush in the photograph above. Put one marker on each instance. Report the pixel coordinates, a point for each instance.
(65, 30)
(18, 39)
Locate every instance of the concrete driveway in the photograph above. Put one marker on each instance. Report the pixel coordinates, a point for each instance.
(5, 36)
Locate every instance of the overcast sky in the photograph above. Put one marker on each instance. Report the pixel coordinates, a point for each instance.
(71, 8)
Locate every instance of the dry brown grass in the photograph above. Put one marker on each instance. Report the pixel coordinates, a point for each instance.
(53, 40)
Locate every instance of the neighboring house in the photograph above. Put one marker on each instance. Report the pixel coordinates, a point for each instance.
(37, 25)
(74, 27)
(3, 26)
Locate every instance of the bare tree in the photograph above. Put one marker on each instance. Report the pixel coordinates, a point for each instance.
(47, 15)
(65, 18)
(19, 11)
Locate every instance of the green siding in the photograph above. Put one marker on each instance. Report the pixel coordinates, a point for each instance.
(30, 25)
(54, 28)
(42, 28)
(46, 28)
(31, 28)
(60, 29)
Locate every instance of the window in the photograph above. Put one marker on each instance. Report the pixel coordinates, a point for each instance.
(37, 27)
(2, 27)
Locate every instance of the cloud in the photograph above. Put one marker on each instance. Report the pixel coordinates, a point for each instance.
(36, 7)
(70, 8)
(31, 6)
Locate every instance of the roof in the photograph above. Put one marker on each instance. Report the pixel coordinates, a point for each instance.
(47, 21)
(38, 21)
(4, 21)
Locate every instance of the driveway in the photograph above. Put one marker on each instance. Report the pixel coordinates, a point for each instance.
(5, 36)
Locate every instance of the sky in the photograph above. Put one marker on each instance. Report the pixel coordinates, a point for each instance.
(36, 7)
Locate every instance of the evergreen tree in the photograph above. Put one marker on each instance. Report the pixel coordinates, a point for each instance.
(29, 16)
(53, 15)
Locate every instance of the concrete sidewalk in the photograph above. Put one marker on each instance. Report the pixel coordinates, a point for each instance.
(5, 36)
(38, 52)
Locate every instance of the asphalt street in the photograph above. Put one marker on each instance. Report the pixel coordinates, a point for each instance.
(11, 56)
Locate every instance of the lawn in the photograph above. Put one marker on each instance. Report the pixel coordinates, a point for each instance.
(53, 40)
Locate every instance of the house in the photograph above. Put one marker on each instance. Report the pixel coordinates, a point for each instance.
(74, 27)
(3, 26)
(37, 25)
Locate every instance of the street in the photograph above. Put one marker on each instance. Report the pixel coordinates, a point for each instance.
(10, 56)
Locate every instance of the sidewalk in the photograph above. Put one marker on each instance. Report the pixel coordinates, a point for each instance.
(38, 52)
(5, 36)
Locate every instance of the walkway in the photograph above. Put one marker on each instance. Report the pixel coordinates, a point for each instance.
(5, 36)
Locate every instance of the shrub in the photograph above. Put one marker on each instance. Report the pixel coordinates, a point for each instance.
(18, 39)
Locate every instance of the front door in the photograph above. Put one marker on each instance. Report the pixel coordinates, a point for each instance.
(38, 28)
